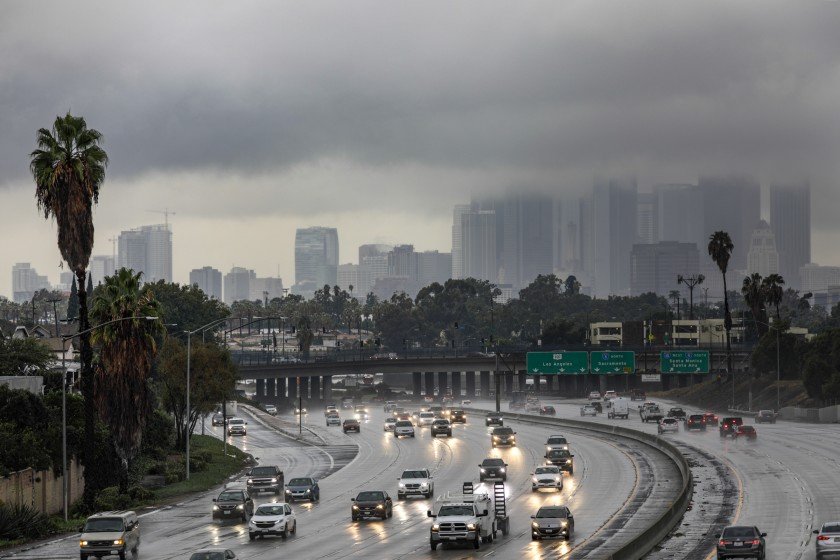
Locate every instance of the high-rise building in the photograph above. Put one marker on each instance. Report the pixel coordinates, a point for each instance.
(815, 278)
(478, 240)
(26, 282)
(373, 265)
(238, 284)
(763, 257)
(65, 281)
(433, 266)
(147, 249)
(265, 289)
(655, 266)
(348, 279)
(613, 228)
(316, 259)
(790, 219)
(528, 239)
(647, 225)
(679, 214)
(208, 280)
(457, 246)
(101, 266)
(402, 262)
(731, 204)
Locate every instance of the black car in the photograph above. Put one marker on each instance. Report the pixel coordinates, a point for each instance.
(738, 541)
(561, 458)
(374, 503)
(547, 411)
(304, 488)
(503, 436)
(218, 419)
(265, 477)
(599, 408)
(494, 419)
(765, 416)
(696, 422)
(352, 425)
(492, 468)
(678, 413)
(458, 416)
(729, 425)
(441, 427)
(233, 504)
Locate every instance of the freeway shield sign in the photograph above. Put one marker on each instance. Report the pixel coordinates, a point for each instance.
(541, 363)
(613, 362)
(684, 361)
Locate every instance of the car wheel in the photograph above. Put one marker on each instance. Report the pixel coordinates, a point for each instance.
(433, 545)
(477, 542)
(83, 556)
(354, 518)
(122, 555)
(251, 536)
(285, 534)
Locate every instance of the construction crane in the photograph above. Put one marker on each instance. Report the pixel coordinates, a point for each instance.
(166, 212)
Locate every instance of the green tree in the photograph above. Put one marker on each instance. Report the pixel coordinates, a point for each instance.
(24, 356)
(128, 348)
(720, 249)
(773, 292)
(73, 302)
(68, 167)
(755, 294)
(23, 426)
(763, 358)
(188, 307)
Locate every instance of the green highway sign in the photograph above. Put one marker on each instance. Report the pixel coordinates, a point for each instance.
(684, 361)
(541, 363)
(613, 362)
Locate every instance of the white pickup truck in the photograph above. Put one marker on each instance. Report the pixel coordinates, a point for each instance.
(463, 518)
(651, 413)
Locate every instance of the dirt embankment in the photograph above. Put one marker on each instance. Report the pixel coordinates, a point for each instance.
(716, 395)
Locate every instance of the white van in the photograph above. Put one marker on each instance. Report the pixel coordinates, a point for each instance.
(110, 533)
(619, 408)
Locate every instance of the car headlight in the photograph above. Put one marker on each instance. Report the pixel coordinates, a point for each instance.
(535, 525)
(215, 508)
(240, 506)
(250, 481)
(119, 542)
(548, 448)
(471, 526)
(402, 484)
(435, 527)
(564, 523)
(565, 448)
(288, 491)
(355, 507)
(83, 543)
(424, 484)
(483, 470)
(308, 491)
(273, 480)
(380, 506)
(568, 461)
(557, 479)
(252, 523)
(502, 469)
(534, 479)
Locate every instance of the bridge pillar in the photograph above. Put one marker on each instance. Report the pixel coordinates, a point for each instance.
(470, 384)
(443, 383)
(326, 387)
(315, 389)
(304, 388)
(293, 387)
(537, 380)
(523, 375)
(417, 384)
(508, 382)
(456, 386)
(281, 387)
(549, 383)
(484, 380)
(603, 381)
(430, 384)
(269, 389)
(260, 388)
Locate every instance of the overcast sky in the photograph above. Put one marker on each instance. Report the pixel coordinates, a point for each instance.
(250, 119)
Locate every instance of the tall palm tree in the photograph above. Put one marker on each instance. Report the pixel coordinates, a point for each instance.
(675, 297)
(720, 249)
(773, 292)
(755, 295)
(127, 351)
(69, 168)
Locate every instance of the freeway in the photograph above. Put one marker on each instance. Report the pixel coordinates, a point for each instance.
(616, 488)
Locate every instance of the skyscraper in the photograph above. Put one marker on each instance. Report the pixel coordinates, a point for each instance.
(613, 227)
(147, 249)
(478, 239)
(238, 284)
(316, 258)
(763, 257)
(262, 289)
(457, 244)
(655, 266)
(731, 204)
(647, 223)
(680, 214)
(209, 281)
(348, 278)
(790, 219)
(26, 281)
(528, 251)
(433, 266)
(100, 267)
(373, 265)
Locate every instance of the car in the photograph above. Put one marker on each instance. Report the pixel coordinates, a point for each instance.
(416, 482)
(351, 425)
(303, 488)
(765, 416)
(696, 422)
(561, 458)
(710, 418)
(745, 432)
(425, 418)
(552, 521)
(677, 412)
(403, 415)
(466, 402)
(741, 541)
(236, 427)
(494, 419)
(214, 553)
(272, 519)
(389, 406)
(458, 416)
(492, 468)
(609, 395)
(668, 425)
(428, 398)
(330, 409)
(599, 408)
(404, 428)
(729, 425)
(333, 419)
(828, 539)
(547, 410)
(532, 406)
(594, 395)
(271, 409)
(637, 395)
(218, 419)
(233, 503)
(588, 410)
(548, 476)
(361, 412)
(441, 426)
(265, 477)
(371, 503)
(556, 442)
(110, 533)
(389, 424)
(438, 411)
(301, 411)
(502, 436)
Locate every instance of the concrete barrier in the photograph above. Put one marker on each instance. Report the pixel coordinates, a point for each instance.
(829, 414)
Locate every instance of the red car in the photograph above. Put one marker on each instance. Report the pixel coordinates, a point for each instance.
(547, 411)
(711, 419)
(746, 432)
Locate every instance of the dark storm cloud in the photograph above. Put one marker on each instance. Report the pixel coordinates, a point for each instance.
(557, 90)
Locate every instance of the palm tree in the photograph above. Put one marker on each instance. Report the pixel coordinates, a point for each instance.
(69, 168)
(720, 249)
(674, 295)
(773, 292)
(127, 351)
(755, 295)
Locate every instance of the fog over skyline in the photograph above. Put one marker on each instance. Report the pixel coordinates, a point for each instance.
(252, 119)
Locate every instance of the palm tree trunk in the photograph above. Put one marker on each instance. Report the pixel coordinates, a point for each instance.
(89, 455)
(727, 324)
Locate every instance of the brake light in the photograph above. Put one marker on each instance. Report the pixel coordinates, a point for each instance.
(723, 542)
(823, 538)
(755, 542)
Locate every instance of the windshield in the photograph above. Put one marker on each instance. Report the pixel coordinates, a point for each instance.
(547, 470)
(404, 424)
(557, 440)
(551, 512)
(390, 420)
(441, 422)
(230, 497)
(263, 471)
(735, 532)
(503, 431)
(426, 415)
(236, 421)
(300, 482)
(696, 417)
(370, 496)
(414, 474)
(208, 556)
(455, 510)
(104, 525)
(493, 463)
(269, 509)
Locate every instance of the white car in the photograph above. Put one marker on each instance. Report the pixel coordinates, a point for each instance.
(299, 411)
(389, 424)
(588, 410)
(272, 519)
(668, 425)
(466, 402)
(333, 420)
(403, 428)
(416, 482)
(556, 442)
(425, 418)
(271, 409)
(594, 395)
(610, 395)
(547, 477)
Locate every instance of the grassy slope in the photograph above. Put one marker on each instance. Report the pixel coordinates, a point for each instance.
(713, 396)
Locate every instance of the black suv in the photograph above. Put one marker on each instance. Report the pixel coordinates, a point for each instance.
(561, 458)
(371, 504)
(458, 416)
(741, 542)
(696, 422)
(503, 436)
(492, 468)
(441, 426)
(352, 425)
(494, 419)
(677, 413)
(268, 477)
(729, 425)
(232, 504)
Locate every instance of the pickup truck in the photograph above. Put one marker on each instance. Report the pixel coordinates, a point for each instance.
(651, 414)
(464, 519)
(678, 413)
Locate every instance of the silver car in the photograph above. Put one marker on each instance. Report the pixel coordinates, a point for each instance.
(668, 425)
(552, 521)
(828, 540)
(389, 424)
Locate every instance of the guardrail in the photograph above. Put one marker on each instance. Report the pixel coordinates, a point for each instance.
(644, 542)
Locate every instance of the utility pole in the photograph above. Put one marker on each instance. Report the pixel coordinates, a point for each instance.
(691, 282)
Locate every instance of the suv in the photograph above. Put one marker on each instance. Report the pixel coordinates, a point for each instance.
(352, 425)
(729, 424)
(650, 413)
(233, 503)
(271, 409)
(696, 422)
(103, 531)
(765, 416)
(272, 519)
(416, 482)
(458, 416)
(741, 542)
(492, 468)
(494, 419)
(556, 442)
(389, 406)
(710, 418)
(552, 521)
(404, 428)
(304, 488)
(441, 426)
(637, 395)
(236, 427)
(678, 413)
(594, 395)
(218, 419)
(333, 419)
(268, 477)
(561, 458)
(425, 418)
(610, 395)
(503, 436)
(372, 504)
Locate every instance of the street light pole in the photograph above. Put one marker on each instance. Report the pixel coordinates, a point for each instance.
(187, 412)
